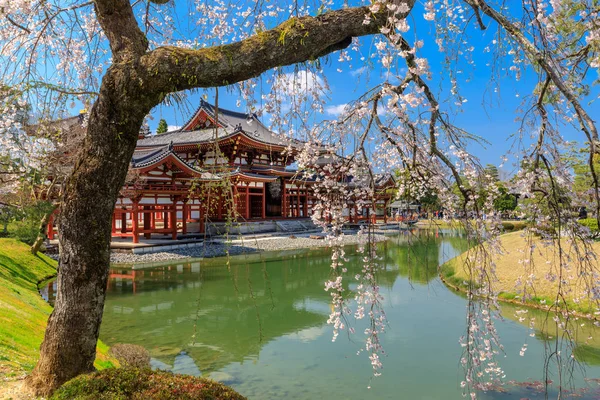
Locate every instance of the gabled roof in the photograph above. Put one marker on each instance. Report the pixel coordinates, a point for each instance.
(165, 154)
(230, 124)
(147, 160)
(383, 181)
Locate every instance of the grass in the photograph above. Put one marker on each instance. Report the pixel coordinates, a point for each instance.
(438, 223)
(516, 263)
(456, 224)
(23, 312)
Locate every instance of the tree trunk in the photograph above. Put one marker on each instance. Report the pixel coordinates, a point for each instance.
(41, 237)
(69, 346)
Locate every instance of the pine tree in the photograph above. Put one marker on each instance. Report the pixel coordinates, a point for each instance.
(162, 126)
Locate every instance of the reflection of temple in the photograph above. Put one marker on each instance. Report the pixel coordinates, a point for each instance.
(175, 303)
(221, 165)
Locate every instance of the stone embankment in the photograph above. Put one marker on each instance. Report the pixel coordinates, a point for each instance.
(217, 248)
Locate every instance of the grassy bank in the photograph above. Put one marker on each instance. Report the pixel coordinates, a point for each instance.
(509, 269)
(457, 224)
(23, 312)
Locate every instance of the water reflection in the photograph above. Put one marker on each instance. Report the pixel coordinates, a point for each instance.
(216, 314)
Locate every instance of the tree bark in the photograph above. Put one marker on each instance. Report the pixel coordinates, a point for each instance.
(135, 83)
(41, 237)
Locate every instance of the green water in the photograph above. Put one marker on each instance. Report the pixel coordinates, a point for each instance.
(260, 325)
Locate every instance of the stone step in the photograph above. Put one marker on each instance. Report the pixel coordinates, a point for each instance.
(291, 226)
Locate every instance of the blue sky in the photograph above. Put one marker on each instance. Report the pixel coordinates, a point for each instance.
(485, 113)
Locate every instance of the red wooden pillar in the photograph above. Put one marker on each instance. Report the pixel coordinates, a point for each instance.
(220, 203)
(184, 215)
(165, 218)
(51, 228)
(385, 206)
(201, 216)
(283, 202)
(153, 218)
(305, 202)
(134, 222)
(264, 201)
(174, 219)
(247, 201)
(147, 221)
(235, 201)
(297, 201)
(123, 221)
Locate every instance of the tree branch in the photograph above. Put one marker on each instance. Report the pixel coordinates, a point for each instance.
(544, 60)
(172, 69)
(126, 39)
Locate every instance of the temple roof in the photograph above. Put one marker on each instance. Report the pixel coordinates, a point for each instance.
(147, 160)
(200, 129)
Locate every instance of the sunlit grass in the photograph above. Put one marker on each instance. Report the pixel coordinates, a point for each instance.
(23, 312)
(518, 262)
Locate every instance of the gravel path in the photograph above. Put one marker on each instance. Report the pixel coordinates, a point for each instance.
(248, 245)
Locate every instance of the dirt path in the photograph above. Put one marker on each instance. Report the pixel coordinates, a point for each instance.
(13, 390)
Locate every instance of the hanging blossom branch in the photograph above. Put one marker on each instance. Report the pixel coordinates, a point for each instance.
(547, 179)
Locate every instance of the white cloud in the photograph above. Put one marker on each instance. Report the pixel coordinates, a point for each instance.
(300, 82)
(171, 128)
(358, 71)
(336, 110)
(339, 109)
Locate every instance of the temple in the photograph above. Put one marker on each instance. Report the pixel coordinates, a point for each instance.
(221, 167)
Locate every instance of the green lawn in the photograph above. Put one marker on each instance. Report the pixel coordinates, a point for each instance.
(23, 313)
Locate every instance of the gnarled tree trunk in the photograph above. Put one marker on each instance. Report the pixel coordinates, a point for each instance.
(69, 346)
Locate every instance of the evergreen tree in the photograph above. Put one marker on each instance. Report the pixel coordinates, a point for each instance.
(492, 171)
(162, 126)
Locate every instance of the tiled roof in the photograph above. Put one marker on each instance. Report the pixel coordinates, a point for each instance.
(141, 160)
(232, 122)
(146, 159)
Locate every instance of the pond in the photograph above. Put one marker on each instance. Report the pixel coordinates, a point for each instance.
(260, 325)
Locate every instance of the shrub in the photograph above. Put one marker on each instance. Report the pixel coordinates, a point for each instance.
(508, 226)
(27, 225)
(544, 231)
(131, 355)
(142, 384)
(591, 223)
(519, 225)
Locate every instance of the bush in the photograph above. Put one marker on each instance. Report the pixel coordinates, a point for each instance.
(142, 384)
(131, 355)
(591, 223)
(545, 231)
(508, 226)
(27, 225)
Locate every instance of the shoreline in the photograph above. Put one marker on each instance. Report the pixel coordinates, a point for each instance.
(220, 248)
(528, 304)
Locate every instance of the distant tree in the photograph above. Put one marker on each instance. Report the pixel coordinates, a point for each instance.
(506, 201)
(492, 171)
(8, 214)
(583, 179)
(162, 126)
